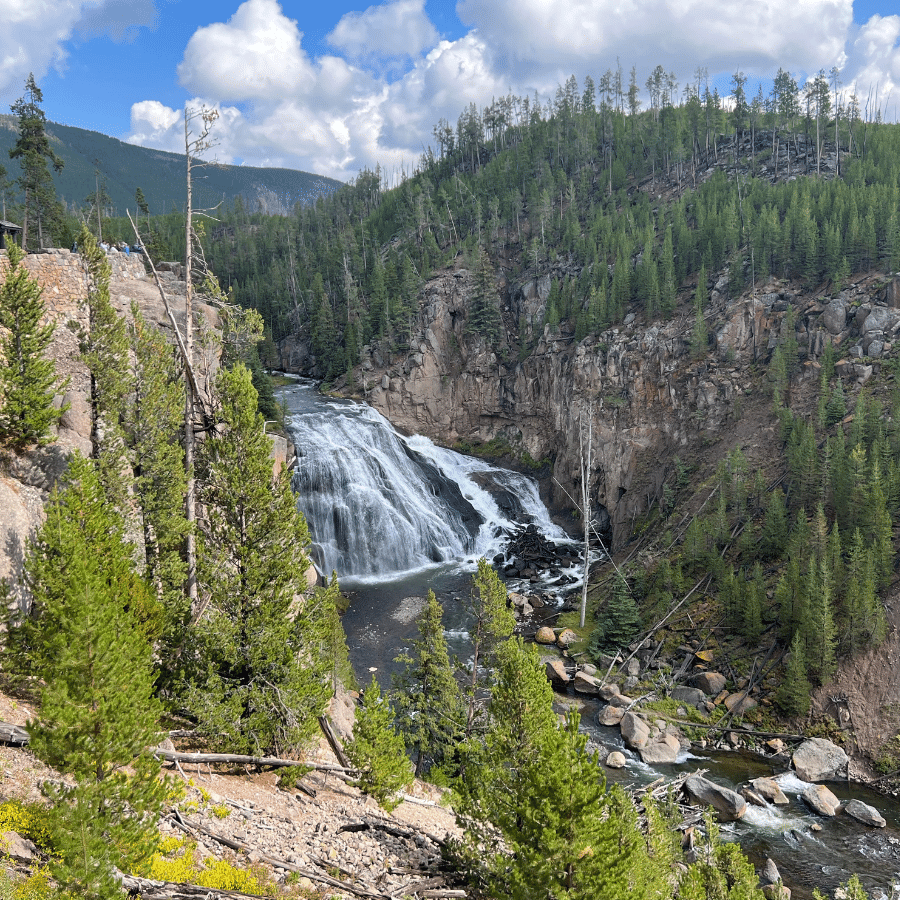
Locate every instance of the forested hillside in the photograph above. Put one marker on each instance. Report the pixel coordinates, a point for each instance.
(648, 214)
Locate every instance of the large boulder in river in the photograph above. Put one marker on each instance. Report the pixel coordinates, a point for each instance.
(663, 750)
(711, 683)
(556, 673)
(586, 684)
(729, 805)
(864, 813)
(635, 731)
(545, 635)
(610, 715)
(769, 789)
(616, 760)
(818, 759)
(821, 800)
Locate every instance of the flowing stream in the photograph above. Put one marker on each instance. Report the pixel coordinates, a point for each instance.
(397, 516)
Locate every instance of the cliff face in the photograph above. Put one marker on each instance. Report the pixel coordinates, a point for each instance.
(26, 479)
(648, 397)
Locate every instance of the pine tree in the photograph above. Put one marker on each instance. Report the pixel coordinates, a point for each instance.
(33, 150)
(27, 376)
(699, 337)
(793, 694)
(492, 623)
(426, 696)
(260, 668)
(377, 750)
(88, 646)
(618, 621)
(538, 820)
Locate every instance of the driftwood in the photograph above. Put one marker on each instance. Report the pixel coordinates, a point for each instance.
(13, 734)
(272, 762)
(333, 742)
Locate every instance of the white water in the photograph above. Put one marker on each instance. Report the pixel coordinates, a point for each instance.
(380, 505)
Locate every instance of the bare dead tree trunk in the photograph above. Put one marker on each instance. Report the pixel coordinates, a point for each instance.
(190, 504)
(586, 465)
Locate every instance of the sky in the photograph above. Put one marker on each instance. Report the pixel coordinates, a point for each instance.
(333, 88)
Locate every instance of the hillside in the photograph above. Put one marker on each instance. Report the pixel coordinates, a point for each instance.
(160, 175)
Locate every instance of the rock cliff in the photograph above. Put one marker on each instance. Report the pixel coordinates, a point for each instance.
(649, 398)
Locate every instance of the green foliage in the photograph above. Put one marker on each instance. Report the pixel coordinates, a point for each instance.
(97, 714)
(426, 696)
(260, 664)
(793, 693)
(377, 750)
(28, 820)
(28, 381)
(618, 620)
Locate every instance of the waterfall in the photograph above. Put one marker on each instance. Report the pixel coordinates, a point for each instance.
(379, 504)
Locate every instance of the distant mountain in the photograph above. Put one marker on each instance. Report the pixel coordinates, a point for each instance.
(160, 174)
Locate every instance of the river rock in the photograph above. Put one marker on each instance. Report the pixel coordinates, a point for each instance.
(545, 635)
(770, 873)
(694, 696)
(610, 715)
(556, 673)
(622, 700)
(818, 759)
(739, 703)
(566, 638)
(730, 805)
(616, 760)
(635, 731)
(663, 750)
(770, 790)
(711, 683)
(590, 669)
(821, 800)
(586, 684)
(609, 690)
(752, 797)
(864, 813)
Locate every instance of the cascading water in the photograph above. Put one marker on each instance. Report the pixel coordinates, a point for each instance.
(380, 505)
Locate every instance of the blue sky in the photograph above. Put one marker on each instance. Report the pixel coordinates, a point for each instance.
(335, 87)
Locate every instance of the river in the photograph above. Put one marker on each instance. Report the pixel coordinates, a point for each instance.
(397, 516)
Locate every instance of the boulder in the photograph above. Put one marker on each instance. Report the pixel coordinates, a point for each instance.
(729, 805)
(693, 696)
(609, 690)
(769, 789)
(711, 683)
(610, 715)
(663, 750)
(834, 318)
(635, 731)
(556, 673)
(586, 684)
(752, 797)
(16, 847)
(633, 667)
(880, 319)
(620, 700)
(545, 635)
(739, 703)
(818, 759)
(616, 760)
(864, 813)
(566, 638)
(776, 745)
(776, 891)
(820, 800)
(770, 873)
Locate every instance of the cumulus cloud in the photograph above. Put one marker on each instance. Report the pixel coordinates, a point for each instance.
(872, 68)
(398, 28)
(33, 33)
(337, 113)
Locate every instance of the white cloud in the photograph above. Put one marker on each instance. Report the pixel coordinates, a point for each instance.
(33, 33)
(398, 28)
(873, 64)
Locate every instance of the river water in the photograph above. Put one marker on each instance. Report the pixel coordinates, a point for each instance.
(397, 516)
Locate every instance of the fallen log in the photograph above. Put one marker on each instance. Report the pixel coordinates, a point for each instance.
(272, 762)
(13, 734)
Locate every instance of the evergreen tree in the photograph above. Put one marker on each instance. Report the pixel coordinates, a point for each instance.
(33, 150)
(261, 670)
(377, 750)
(27, 377)
(619, 621)
(537, 817)
(426, 696)
(699, 338)
(793, 693)
(87, 644)
(492, 623)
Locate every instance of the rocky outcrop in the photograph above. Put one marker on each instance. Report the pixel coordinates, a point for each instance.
(645, 393)
(818, 759)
